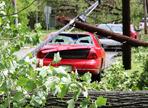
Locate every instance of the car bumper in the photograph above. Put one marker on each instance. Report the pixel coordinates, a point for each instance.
(109, 47)
(81, 65)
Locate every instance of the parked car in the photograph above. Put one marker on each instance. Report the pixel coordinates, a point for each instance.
(79, 51)
(117, 28)
(141, 25)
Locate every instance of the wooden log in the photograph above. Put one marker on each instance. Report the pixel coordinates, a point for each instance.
(112, 35)
(115, 99)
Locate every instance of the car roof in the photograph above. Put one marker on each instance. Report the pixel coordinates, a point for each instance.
(115, 25)
(110, 24)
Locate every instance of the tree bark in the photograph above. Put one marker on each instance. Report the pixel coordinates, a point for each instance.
(115, 99)
(112, 35)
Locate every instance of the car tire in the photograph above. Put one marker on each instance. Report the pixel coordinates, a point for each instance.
(96, 77)
(102, 64)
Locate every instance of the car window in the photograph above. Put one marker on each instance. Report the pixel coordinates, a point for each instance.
(62, 40)
(111, 27)
(80, 39)
(84, 41)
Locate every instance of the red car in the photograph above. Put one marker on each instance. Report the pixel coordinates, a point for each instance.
(79, 51)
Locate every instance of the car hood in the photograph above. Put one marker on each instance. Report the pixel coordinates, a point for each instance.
(55, 48)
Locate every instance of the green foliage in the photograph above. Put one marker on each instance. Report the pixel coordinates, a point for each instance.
(101, 101)
(116, 78)
(110, 11)
(33, 84)
(23, 85)
(136, 13)
(143, 82)
(56, 58)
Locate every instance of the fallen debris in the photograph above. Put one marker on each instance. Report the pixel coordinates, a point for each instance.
(112, 35)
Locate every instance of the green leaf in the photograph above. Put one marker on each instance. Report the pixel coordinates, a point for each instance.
(56, 58)
(30, 85)
(93, 105)
(77, 94)
(0, 21)
(71, 103)
(101, 101)
(3, 87)
(22, 81)
(30, 55)
(36, 100)
(26, 83)
(86, 77)
(43, 73)
(85, 103)
(64, 90)
(18, 96)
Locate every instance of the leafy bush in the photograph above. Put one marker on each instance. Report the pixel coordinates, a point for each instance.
(116, 78)
(143, 83)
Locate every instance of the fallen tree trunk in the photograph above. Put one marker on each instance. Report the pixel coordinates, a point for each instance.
(115, 99)
(112, 35)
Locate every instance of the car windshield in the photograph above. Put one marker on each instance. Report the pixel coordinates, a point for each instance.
(117, 28)
(104, 26)
(111, 27)
(65, 39)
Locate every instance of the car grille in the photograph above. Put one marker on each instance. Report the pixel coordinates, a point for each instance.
(71, 54)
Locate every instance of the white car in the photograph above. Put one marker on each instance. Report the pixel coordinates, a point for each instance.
(117, 28)
(110, 43)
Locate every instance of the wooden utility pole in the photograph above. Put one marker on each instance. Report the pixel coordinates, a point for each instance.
(145, 16)
(126, 54)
